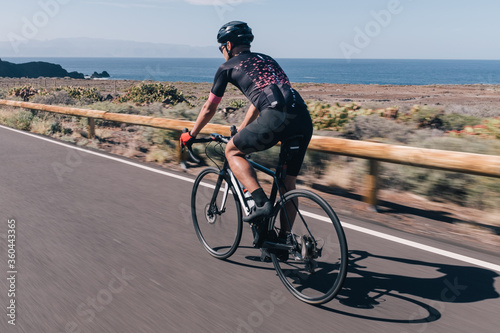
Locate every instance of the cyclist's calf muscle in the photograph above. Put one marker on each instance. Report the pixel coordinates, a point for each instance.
(240, 167)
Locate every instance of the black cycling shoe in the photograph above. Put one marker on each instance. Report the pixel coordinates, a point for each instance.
(257, 213)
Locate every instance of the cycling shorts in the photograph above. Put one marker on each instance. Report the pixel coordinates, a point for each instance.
(273, 126)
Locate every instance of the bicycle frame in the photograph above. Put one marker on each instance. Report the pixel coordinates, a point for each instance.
(277, 176)
(280, 239)
(226, 170)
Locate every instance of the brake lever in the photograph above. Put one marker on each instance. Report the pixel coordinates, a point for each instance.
(192, 155)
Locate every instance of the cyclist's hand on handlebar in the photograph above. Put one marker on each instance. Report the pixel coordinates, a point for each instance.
(186, 139)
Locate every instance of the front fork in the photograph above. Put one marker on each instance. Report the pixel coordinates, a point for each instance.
(213, 202)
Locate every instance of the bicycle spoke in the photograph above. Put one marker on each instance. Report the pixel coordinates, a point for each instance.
(316, 267)
(216, 218)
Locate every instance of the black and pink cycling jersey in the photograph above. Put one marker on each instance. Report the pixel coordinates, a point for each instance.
(259, 77)
(283, 113)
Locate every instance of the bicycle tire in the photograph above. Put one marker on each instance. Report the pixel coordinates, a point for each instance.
(312, 280)
(220, 234)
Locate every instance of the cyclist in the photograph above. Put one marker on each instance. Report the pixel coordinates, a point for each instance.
(277, 112)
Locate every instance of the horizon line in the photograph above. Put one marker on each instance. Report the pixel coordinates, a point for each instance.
(291, 58)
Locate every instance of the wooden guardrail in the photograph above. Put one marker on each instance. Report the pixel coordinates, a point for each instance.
(476, 164)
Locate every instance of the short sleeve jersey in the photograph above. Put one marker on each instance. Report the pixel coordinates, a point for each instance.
(250, 73)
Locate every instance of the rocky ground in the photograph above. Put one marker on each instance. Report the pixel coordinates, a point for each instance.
(404, 211)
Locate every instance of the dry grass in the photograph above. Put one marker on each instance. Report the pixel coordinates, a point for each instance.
(40, 126)
(339, 176)
(159, 155)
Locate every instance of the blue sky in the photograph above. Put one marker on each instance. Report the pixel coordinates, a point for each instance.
(400, 29)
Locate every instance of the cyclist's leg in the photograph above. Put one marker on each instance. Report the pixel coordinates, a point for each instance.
(239, 165)
(302, 126)
(291, 211)
(261, 134)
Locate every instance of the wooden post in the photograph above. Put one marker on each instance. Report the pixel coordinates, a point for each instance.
(91, 128)
(179, 154)
(372, 183)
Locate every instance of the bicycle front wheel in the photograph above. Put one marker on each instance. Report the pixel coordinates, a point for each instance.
(317, 265)
(216, 214)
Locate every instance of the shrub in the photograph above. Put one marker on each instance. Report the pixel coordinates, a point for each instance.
(237, 103)
(375, 127)
(456, 121)
(21, 120)
(87, 95)
(424, 117)
(488, 129)
(55, 97)
(335, 117)
(25, 92)
(146, 93)
(114, 108)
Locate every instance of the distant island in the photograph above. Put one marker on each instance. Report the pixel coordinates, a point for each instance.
(102, 75)
(36, 69)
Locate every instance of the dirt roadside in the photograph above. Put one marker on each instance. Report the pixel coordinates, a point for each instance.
(483, 100)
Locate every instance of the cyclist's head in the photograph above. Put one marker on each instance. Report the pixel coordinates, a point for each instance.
(236, 32)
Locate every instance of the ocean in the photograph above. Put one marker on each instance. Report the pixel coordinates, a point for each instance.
(359, 71)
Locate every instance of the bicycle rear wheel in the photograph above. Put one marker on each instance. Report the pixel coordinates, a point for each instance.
(317, 266)
(218, 224)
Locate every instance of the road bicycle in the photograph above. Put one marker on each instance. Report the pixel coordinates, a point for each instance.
(312, 260)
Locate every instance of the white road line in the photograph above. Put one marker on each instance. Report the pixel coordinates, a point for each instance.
(399, 240)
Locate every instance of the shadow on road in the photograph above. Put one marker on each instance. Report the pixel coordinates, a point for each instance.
(368, 290)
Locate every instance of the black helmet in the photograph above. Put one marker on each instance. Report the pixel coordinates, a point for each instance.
(236, 32)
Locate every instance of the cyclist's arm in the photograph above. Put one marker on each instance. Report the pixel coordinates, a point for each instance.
(210, 107)
(251, 115)
(206, 113)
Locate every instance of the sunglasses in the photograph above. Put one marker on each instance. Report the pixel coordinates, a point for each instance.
(220, 47)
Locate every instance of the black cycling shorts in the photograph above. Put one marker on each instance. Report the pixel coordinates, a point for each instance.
(273, 126)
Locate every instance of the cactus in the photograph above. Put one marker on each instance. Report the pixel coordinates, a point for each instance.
(25, 92)
(335, 117)
(147, 93)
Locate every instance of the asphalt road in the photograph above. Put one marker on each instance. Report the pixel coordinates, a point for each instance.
(104, 244)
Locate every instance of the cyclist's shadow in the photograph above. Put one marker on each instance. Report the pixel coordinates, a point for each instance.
(457, 284)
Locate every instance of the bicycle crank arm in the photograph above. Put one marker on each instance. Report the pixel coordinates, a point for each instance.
(276, 246)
